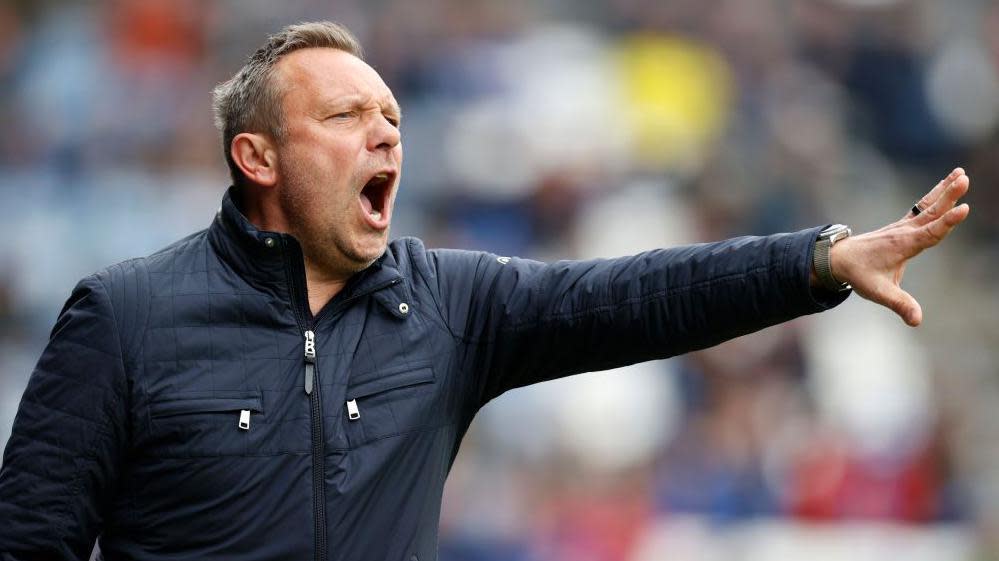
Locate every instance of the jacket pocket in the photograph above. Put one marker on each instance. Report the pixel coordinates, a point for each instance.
(205, 424)
(391, 381)
(390, 403)
(191, 405)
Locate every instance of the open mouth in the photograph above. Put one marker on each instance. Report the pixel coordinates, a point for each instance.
(375, 197)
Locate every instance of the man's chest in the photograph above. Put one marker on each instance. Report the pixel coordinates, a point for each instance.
(230, 379)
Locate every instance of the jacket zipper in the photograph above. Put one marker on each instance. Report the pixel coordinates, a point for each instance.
(295, 270)
(318, 454)
(300, 305)
(310, 361)
(310, 336)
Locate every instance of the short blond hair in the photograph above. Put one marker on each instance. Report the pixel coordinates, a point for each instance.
(251, 102)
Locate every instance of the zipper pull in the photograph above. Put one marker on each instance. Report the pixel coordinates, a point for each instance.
(353, 413)
(244, 419)
(310, 361)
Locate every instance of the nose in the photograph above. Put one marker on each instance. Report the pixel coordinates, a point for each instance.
(384, 135)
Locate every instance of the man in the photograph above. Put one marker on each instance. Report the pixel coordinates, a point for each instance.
(288, 385)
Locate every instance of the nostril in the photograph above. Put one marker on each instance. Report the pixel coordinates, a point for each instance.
(389, 141)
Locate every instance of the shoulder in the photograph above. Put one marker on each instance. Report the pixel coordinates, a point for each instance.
(411, 254)
(457, 274)
(124, 289)
(442, 270)
(126, 277)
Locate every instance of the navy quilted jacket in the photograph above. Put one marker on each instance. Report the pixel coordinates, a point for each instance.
(189, 406)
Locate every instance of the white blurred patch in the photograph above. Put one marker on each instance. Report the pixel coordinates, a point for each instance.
(686, 538)
(616, 419)
(870, 3)
(556, 111)
(963, 90)
(871, 377)
(639, 216)
(607, 421)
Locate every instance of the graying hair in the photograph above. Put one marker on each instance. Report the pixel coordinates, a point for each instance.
(250, 102)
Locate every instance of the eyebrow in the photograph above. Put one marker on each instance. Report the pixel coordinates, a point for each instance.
(397, 109)
(357, 100)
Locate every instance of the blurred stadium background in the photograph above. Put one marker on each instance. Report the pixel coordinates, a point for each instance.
(559, 128)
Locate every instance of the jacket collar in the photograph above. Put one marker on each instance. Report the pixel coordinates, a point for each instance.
(268, 259)
(255, 255)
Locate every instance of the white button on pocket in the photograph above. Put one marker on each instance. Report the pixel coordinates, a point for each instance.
(403, 308)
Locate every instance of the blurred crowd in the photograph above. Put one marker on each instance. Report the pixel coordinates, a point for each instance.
(577, 129)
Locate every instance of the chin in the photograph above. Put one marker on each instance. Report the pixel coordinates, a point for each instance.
(367, 253)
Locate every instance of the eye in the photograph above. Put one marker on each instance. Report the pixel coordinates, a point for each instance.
(343, 115)
(393, 121)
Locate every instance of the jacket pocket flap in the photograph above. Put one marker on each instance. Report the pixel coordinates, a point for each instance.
(392, 381)
(191, 404)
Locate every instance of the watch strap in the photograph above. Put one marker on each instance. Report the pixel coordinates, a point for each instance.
(823, 270)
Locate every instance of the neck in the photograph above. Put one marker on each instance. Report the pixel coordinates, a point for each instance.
(321, 286)
(261, 210)
(265, 214)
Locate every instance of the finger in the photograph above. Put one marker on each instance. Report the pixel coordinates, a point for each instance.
(899, 301)
(946, 201)
(936, 231)
(907, 308)
(929, 198)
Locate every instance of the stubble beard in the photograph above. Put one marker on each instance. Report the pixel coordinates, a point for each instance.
(314, 226)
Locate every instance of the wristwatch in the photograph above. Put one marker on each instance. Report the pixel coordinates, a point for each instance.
(820, 257)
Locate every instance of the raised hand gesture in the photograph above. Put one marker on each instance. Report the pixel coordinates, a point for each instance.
(874, 262)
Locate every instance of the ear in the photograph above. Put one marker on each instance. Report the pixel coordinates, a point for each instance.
(256, 157)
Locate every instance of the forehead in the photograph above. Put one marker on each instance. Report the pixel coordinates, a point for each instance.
(320, 75)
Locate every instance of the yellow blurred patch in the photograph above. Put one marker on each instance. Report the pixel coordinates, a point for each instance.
(677, 96)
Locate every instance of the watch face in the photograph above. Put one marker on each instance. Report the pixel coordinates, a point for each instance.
(835, 231)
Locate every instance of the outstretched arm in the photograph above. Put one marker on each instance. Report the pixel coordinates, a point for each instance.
(521, 322)
(874, 262)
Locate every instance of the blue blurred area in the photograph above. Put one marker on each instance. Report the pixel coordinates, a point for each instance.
(578, 129)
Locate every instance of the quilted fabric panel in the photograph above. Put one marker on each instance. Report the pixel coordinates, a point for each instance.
(66, 442)
(209, 333)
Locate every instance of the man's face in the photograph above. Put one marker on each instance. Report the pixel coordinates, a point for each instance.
(340, 158)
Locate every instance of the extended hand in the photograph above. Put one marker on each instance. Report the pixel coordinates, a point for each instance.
(874, 262)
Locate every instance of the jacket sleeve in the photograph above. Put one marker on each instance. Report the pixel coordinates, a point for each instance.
(523, 322)
(60, 463)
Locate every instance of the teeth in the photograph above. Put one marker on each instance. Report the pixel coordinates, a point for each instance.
(381, 176)
(376, 215)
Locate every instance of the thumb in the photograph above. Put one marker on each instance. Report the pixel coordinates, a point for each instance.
(903, 304)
